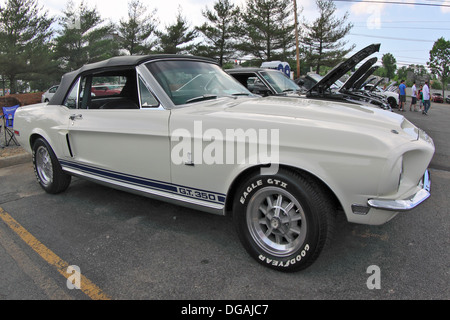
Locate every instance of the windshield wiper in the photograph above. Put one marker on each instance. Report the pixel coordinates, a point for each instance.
(241, 94)
(202, 98)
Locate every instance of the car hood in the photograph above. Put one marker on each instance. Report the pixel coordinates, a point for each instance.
(358, 74)
(363, 80)
(285, 110)
(344, 67)
(391, 86)
(376, 85)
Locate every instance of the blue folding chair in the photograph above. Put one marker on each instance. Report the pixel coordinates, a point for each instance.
(1, 126)
(8, 123)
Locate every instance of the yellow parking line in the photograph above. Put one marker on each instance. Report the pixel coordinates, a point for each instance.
(88, 287)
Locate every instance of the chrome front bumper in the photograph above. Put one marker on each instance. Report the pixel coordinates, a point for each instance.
(407, 204)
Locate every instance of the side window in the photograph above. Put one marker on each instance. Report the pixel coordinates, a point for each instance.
(72, 99)
(112, 89)
(147, 98)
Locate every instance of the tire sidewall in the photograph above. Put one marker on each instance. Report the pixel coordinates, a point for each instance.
(308, 251)
(53, 186)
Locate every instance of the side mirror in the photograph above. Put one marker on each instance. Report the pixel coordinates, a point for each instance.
(300, 82)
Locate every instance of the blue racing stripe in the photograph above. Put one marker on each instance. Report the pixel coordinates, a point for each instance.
(184, 191)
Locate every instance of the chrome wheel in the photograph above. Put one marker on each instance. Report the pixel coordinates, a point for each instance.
(276, 221)
(44, 166)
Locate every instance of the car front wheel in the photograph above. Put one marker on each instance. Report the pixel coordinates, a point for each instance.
(283, 220)
(47, 168)
(392, 102)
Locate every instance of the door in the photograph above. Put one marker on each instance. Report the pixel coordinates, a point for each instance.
(121, 135)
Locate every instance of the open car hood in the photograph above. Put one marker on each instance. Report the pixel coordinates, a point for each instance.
(376, 84)
(342, 68)
(363, 80)
(358, 74)
(392, 85)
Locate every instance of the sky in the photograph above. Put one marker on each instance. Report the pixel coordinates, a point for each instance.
(406, 29)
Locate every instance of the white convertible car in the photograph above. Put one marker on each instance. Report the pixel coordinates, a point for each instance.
(182, 130)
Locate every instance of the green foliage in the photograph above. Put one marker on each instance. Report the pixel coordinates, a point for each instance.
(265, 29)
(24, 41)
(322, 38)
(440, 61)
(32, 53)
(219, 30)
(176, 37)
(389, 65)
(436, 84)
(83, 38)
(135, 32)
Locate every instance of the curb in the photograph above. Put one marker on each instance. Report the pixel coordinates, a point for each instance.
(14, 160)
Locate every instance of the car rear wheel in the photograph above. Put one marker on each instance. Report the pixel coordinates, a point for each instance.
(283, 220)
(47, 168)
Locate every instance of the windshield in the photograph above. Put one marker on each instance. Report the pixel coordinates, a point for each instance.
(187, 81)
(279, 81)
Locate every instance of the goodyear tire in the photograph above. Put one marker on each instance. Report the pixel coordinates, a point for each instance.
(283, 220)
(47, 168)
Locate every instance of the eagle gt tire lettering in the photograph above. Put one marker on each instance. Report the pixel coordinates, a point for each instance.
(283, 220)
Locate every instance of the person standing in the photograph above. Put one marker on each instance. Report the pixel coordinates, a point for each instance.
(426, 98)
(402, 95)
(420, 97)
(413, 97)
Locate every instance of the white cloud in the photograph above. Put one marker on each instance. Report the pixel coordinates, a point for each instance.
(367, 8)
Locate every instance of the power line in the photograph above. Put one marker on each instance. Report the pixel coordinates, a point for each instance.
(406, 28)
(389, 38)
(399, 3)
(410, 21)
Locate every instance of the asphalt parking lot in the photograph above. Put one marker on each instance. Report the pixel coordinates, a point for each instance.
(130, 247)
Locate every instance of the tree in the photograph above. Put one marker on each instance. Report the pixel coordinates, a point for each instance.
(176, 36)
(135, 32)
(265, 29)
(322, 39)
(402, 72)
(219, 30)
(83, 38)
(389, 65)
(24, 41)
(440, 61)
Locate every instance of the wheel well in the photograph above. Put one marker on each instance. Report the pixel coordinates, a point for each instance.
(33, 139)
(253, 170)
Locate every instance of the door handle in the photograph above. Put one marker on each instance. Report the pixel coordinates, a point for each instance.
(75, 116)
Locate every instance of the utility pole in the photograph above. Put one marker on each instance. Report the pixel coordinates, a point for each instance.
(296, 38)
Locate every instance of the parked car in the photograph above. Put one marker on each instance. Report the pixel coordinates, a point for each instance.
(184, 131)
(265, 82)
(389, 93)
(437, 97)
(271, 82)
(47, 95)
(330, 87)
(106, 90)
(447, 100)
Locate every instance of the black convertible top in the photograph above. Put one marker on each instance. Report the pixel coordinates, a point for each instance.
(115, 62)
